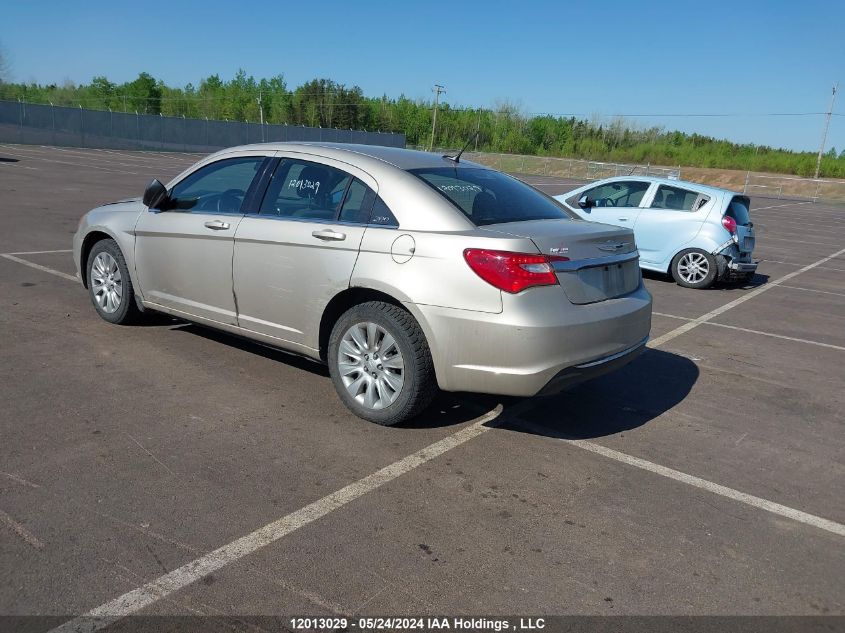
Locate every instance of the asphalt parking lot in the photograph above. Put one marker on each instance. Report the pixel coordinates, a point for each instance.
(169, 469)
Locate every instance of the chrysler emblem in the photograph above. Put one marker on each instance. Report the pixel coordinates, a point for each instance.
(612, 246)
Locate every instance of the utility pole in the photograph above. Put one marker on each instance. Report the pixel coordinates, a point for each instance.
(826, 126)
(436, 90)
(261, 115)
(477, 129)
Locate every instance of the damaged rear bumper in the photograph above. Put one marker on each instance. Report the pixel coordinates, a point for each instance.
(732, 263)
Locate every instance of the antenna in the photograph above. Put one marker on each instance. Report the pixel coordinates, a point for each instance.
(457, 157)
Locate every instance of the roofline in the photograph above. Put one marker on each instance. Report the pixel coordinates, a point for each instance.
(309, 147)
(673, 181)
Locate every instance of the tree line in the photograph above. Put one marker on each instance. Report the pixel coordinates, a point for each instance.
(325, 103)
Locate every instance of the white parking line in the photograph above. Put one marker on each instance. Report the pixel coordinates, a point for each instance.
(52, 271)
(28, 537)
(824, 292)
(64, 250)
(697, 482)
(778, 261)
(788, 239)
(777, 206)
(686, 327)
(74, 163)
(161, 587)
(744, 329)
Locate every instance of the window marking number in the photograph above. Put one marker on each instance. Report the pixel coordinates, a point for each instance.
(304, 184)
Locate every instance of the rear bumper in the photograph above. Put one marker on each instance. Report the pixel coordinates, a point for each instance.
(734, 263)
(742, 267)
(539, 338)
(579, 373)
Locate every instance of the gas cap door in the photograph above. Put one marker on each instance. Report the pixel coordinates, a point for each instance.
(402, 249)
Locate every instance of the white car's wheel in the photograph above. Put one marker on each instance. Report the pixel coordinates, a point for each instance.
(694, 268)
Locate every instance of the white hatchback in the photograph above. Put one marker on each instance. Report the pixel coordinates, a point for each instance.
(696, 233)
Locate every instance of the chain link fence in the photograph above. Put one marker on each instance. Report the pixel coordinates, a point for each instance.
(571, 168)
(792, 187)
(38, 124)
(763, 185)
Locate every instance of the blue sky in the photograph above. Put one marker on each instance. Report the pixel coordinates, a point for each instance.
(585, 58)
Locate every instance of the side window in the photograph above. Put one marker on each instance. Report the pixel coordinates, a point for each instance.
(677, 199)
(382, 215)
(615, 194)
(358, 203)
(216, 188)
(363, 206)
(302, 189)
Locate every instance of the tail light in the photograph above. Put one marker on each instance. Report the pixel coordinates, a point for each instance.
(512, 272)
(729, 223)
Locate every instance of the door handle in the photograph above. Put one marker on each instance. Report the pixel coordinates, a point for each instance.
(217, 225)
(623, 219)
(329, 235)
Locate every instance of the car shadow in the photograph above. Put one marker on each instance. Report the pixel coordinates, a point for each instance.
(628, 398)
(625, 399)
(5, 159)
(756, 281)
(247, 345)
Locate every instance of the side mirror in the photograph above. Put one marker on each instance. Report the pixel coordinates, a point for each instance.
(154, 194)
(586, 202)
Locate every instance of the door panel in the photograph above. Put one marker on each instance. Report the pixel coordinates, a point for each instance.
(183, 251)
(617, 216)
(186, 265)
(299, 251)
(668, 223)
(286, 272)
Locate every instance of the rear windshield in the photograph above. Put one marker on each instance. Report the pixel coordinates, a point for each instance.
(491, 197)
(738, 210)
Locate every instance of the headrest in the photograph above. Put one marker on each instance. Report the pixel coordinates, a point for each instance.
(484, 205)
(311, 181)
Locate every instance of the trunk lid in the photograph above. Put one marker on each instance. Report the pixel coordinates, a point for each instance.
(603, 259)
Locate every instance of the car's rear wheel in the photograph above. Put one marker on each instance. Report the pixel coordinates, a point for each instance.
(380, 363)
(109, 284)
(694, 268)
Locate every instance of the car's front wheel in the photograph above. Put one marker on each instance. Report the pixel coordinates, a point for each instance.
(694, 268)
(109, 284)
(380, 363)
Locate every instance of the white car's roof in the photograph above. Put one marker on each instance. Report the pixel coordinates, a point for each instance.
(672, 183)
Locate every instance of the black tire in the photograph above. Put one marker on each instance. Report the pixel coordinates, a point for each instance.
(127, 310)
(682, 276)
(419, 386)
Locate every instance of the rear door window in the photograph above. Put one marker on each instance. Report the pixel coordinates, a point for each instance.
(677, 199)
(305, 190)
(358, 203)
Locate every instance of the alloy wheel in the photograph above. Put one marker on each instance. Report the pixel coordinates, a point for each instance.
(106, 283)
(693, 268)
(371, 365)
